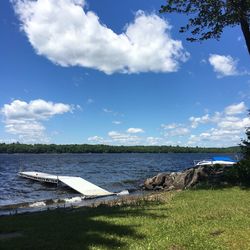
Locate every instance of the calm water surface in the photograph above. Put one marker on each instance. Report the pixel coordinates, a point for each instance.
(114, 172)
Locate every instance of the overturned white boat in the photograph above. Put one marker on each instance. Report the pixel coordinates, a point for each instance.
(218, 160)
(80, 185)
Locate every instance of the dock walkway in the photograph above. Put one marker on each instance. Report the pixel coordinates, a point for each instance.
(82, 186)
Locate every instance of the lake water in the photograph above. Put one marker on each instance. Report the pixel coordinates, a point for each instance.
(114, 172)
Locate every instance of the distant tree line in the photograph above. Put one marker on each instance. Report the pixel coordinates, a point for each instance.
(100, 148)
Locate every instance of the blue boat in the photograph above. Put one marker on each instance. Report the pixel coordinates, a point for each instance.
(217, 160)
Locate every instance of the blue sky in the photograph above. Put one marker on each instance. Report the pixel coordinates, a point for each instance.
(117, 72)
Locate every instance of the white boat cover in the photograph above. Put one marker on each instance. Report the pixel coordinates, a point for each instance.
(226, 163)
(84, 187)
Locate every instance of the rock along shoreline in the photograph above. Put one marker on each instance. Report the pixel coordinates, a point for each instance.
(215, 175)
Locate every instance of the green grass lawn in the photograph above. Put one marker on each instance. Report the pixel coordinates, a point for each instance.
(194, 219)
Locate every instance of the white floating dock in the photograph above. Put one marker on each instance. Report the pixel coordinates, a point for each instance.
(82, 186)
(39, 176)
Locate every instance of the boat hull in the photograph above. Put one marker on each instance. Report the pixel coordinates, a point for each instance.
(209, 163)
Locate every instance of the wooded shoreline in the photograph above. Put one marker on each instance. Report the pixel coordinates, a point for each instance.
(100, 148)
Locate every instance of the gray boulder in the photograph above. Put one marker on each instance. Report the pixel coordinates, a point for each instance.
(186, 179)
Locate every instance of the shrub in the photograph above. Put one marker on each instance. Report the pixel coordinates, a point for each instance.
(244, 165)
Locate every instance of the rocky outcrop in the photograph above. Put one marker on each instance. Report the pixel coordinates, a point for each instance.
(212, 175)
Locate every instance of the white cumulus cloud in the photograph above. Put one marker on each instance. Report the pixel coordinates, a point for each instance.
(175, 129)
(215, 137)
(34, 110)
(135, 130)
(170, 126)
(69, 35)
(215, 118)
(228, 127)
(236, 109)
(124, 138)
(151, 140)
(25, 119)
(223, 65)
(237, 124)
(96, 139)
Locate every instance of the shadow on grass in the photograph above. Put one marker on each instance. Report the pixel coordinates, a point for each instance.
(103, 226)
